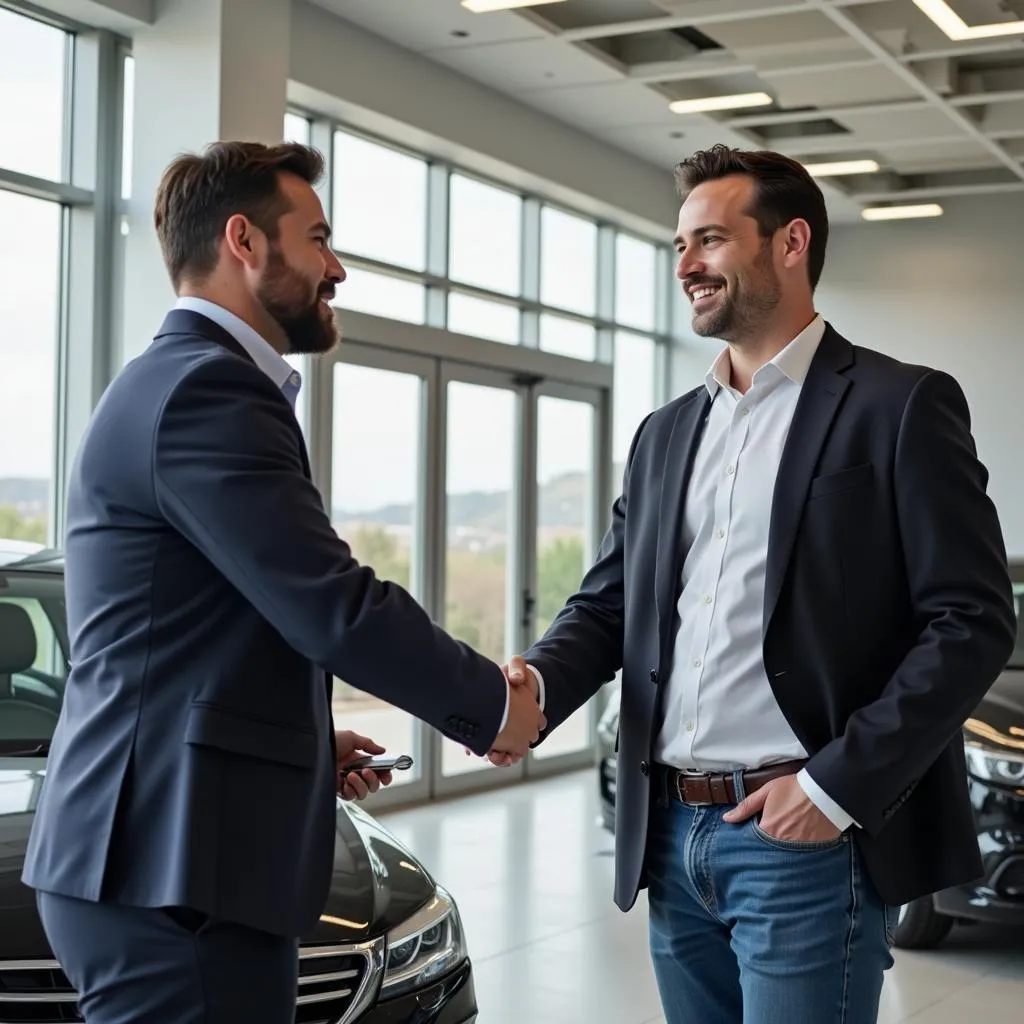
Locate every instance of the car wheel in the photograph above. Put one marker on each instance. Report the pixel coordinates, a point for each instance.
(920, 926)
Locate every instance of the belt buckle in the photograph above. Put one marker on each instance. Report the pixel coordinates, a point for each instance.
(692, 774)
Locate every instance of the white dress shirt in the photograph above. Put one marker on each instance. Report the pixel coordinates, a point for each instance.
(278, 369)
(720, 714)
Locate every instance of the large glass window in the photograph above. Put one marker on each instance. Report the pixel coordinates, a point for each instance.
(482, 318)
(380, 202)
(568, 261)
(635, 283)
(33, 57)
(30, 272)
(485, 235)
(382, 295)
(567, 337)
(635, 394)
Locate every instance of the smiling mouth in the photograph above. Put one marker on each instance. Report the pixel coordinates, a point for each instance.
(701, 295)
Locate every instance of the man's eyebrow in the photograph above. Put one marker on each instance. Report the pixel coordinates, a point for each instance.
(321, 228)
(703, 230)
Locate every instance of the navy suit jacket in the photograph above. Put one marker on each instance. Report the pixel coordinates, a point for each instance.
(888, 609)
(209, 602)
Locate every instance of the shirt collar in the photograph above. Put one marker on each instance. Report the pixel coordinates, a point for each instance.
(263, 354)
(793, 362)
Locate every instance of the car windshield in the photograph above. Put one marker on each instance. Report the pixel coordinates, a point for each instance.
(1017, 658)
(33, 660)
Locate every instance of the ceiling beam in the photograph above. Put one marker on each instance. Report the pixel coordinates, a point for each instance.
(965, 49)
(840, 18)
(983, 99)
(938, 192)
(821, 113)
(694, 20)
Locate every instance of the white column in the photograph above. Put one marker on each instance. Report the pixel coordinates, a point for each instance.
(206, 70)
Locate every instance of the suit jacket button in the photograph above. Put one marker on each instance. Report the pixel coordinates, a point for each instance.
(654, 675)
(645, 768)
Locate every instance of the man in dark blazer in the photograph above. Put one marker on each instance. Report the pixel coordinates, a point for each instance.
(184, 838)
(805, 587)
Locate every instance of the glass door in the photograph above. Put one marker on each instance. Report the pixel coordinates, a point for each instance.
(377, 413)
(480, 530)
(567, 514)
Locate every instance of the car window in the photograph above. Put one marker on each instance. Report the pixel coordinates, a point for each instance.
(1017, 658)
(33, 659)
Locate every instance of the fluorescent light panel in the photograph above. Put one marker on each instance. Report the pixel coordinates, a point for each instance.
(901, 212)
(841, 167)
(735, 102)
(484, 6)
(958, 30)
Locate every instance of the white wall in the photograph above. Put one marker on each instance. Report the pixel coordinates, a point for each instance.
(947, 293)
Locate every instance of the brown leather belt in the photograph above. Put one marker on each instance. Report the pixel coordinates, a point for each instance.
(703, 789)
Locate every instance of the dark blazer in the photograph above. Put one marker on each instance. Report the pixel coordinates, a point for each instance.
(207, 594)
(888, 609)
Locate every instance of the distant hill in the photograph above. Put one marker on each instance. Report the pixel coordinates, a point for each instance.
(25, 494)
(560, 504)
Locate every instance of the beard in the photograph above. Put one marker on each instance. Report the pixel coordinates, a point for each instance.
(743, 310)
(295, 304)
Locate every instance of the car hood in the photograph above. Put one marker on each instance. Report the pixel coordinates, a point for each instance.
(998, 721)
(377, 883)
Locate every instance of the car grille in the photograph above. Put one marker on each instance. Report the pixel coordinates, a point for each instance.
(336, 985)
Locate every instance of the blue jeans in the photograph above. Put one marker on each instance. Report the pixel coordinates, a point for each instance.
(746, 929)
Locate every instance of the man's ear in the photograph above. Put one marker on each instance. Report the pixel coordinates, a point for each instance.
(796, 241)
(240, 236)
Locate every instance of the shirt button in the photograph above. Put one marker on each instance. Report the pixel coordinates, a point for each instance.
(645, 768)
(707, 599)
(731, 470)
(689, 726)
(721, 534)
(696, 662)
(746, 412)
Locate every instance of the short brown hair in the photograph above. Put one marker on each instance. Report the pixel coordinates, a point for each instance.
(783, 191)
(199, 194)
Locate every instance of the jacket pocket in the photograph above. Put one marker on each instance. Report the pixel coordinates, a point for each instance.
(844, 480)
(210, 726)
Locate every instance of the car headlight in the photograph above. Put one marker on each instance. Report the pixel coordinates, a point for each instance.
(425, 947)
(995, 766)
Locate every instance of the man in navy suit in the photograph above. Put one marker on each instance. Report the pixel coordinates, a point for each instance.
(184, 838)
(806, 589)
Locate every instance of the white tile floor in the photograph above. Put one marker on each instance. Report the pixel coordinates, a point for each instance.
(532, 873)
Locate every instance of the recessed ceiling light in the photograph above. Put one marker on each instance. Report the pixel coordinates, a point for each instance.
(483, 6)
(901, 212)
(841, 167)
(735, 102)
(957, 29)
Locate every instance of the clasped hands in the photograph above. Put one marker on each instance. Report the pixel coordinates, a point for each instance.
(525, 719)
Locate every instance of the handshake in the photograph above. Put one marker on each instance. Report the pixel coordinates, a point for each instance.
(525, 719)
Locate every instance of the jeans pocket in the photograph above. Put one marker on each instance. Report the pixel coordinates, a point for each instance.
(797, 847)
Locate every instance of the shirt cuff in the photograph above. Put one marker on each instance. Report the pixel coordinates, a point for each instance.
(824, 802)
(540, 686)
(508, 702)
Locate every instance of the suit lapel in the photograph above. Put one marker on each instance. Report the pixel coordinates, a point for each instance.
(820, 398)
(683, 442)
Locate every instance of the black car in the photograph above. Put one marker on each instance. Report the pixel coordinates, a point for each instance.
(994, 745)
(389, 947)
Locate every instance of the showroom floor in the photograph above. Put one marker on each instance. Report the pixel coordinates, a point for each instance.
(532, 873)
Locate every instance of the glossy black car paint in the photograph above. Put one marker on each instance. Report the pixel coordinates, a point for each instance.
(377, 884)
(997, 726)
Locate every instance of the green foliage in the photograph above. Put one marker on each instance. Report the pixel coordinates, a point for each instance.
(15, 526)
